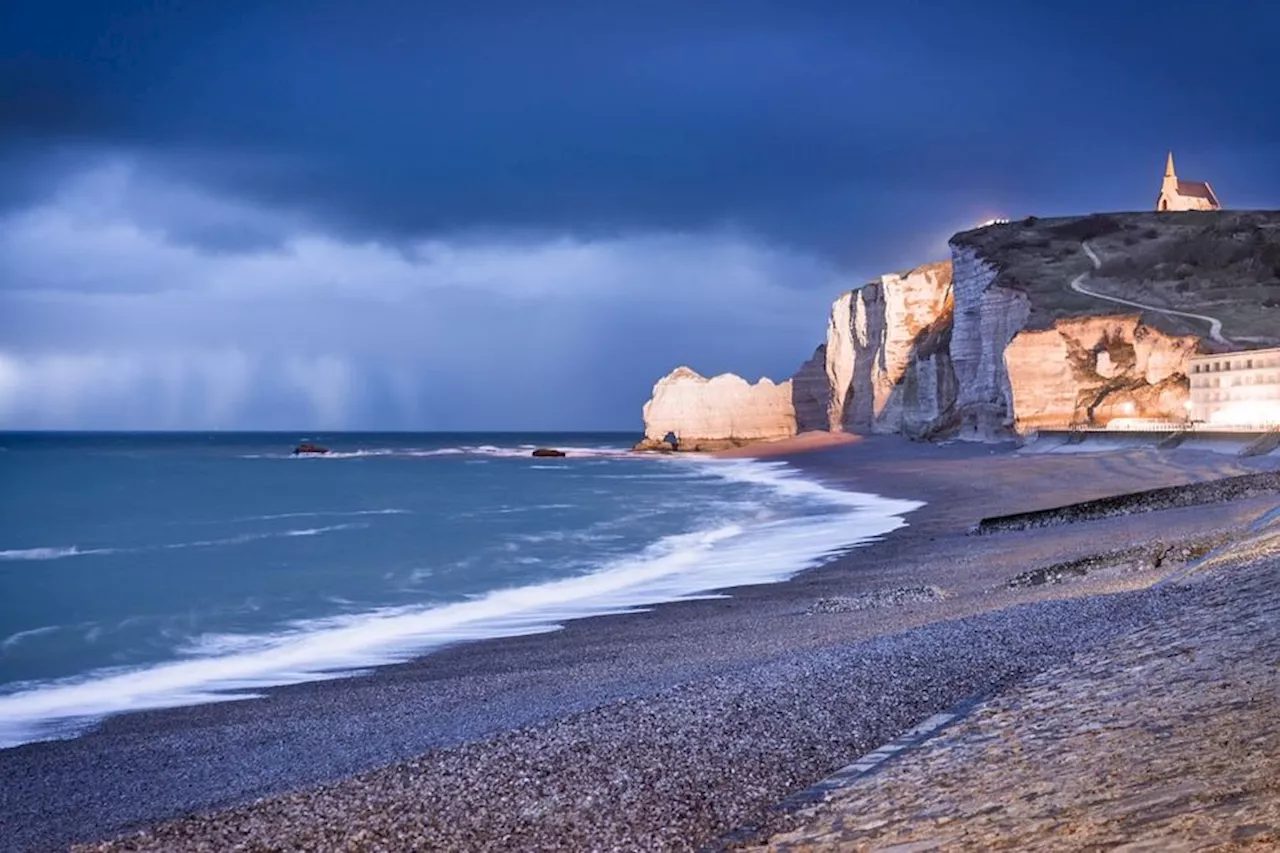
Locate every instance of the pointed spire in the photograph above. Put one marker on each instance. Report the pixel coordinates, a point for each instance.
(1168, 169)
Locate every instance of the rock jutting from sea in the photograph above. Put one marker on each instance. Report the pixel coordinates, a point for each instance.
(715, 414)
(947, 349)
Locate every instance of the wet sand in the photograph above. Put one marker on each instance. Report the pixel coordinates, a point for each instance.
(656, 730)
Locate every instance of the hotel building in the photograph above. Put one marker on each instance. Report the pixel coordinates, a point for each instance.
(1236, 389)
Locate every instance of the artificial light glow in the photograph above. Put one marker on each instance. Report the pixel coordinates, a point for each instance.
(1251, 413)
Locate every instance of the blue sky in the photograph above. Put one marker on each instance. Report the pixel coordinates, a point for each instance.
(416, 215)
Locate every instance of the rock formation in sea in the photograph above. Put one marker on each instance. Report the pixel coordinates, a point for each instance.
(717, 413)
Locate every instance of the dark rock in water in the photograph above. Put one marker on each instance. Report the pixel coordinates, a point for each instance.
(651, 444)
(305, 448)
(547, 451)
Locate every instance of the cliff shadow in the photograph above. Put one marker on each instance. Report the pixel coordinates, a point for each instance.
(860, 408)
(811, 393)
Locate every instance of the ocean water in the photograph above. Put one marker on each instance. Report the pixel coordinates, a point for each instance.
(154, 570)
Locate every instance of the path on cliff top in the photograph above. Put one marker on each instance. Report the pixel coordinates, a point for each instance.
(1215, 325)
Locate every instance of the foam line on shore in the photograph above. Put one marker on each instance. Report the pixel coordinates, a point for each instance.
(765, 549)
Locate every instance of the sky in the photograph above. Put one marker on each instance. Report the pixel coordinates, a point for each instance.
(417, 215)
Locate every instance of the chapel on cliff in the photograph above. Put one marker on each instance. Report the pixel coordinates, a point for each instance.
(1177, 194)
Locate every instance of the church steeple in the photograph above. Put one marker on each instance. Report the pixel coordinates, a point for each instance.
(1176, 194)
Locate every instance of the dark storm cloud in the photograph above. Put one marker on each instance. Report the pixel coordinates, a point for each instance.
(112, 317)
(811, 120)
(409, 214)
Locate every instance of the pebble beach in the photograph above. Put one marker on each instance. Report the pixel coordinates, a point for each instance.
(685, 726)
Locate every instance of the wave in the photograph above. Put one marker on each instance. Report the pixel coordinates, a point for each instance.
(521, 451)
(344, 454)
(52, 553)
(354, 513)
(14, 639)
(679, 567)
(508, 510)
(73, 551)
(332, 454)
(255, 537)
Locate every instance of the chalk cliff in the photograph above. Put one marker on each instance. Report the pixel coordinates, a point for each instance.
(988, 344)
(811, 393)
(886, 359)
(716, 413)
(1091, 369)
(987, 316)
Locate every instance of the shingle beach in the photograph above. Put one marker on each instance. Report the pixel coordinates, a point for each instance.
(684, 726)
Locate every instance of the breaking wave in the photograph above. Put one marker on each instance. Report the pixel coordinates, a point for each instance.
(73, 551)
(51, 553)
(521, 451)
(762, 549)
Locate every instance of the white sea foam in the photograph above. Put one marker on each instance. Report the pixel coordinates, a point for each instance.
(14, 639)
(51, 553)
(684, 566)
(531, 508)
(346, 454)
(73, 551)
(322, 514)
(483, 450)
(521, 451)
(332, 454)
(256, 537)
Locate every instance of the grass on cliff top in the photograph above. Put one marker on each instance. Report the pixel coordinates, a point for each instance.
(1225, 264)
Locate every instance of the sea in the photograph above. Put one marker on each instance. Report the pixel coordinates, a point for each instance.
(152, 570)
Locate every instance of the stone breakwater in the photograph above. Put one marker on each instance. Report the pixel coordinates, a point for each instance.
(1194, 494)
(937, 351)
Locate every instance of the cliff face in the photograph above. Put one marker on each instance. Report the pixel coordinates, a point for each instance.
(986, 319)
(1092, 369)
(886, 359)
(712, 414)
(885, 367)
(993, 342)
(811, 393)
